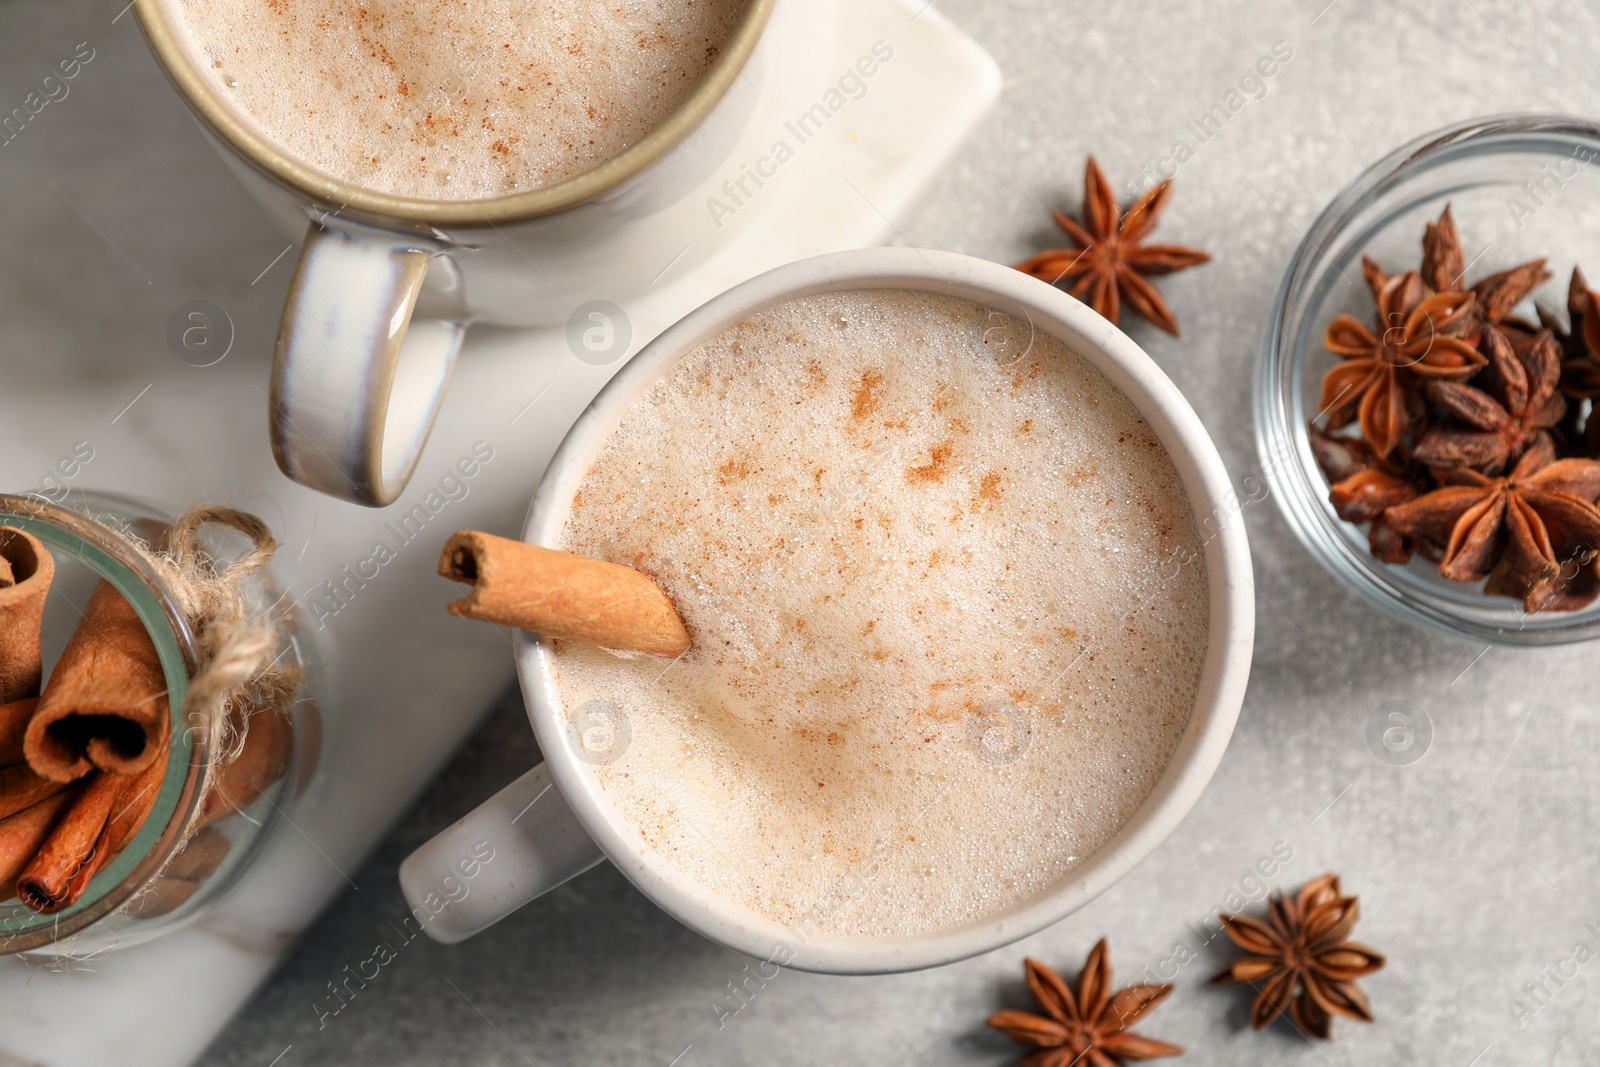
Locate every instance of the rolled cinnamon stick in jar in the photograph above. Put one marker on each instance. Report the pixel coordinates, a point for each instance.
(44, 883)
(105, 705)
(20, 787)
(26, 569)
(22, 835)
(14, 719)
(562, 595)
(263, 760)
(128, 815)
(201, 856)
(94, 828)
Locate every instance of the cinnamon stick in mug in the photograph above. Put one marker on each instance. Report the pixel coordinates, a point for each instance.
(562, 595)
(105, 704)
(26, 569)
(22, 835)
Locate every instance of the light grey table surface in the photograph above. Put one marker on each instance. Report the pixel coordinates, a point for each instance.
(1476, 867)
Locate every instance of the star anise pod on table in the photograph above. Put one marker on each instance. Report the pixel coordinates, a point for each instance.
(1089, 1027)
(1380, 377)
(1299, 959)
(1108, 265)
(1533, 533)
(1525, 403)
(1362, 486)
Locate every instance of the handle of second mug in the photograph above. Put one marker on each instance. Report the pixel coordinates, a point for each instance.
(356, 384)
(517, 845)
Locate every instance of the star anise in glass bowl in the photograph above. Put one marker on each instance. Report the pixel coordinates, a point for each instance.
(1440, 422)
(1420, 338)
(1461, 414)
(1531, 533)
(1580, 361)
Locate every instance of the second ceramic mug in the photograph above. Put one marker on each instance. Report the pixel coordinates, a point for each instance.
(556, 822)
(356, 380)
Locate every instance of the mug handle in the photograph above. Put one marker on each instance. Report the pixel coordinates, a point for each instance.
(517, 845)
(356, 384)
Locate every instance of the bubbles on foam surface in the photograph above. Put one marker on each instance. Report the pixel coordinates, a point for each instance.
(881, 514)
(456, 99)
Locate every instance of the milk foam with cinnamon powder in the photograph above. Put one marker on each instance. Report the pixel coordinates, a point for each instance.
(942, 652)
(456, 99)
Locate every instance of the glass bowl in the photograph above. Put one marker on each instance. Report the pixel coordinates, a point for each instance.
(1520, 187)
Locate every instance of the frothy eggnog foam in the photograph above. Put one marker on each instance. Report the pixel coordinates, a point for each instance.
(941, 651)
(456, 99)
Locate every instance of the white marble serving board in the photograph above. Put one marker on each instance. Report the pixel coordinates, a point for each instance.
(113, 212)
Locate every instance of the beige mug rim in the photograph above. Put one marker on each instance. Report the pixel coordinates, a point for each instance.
(223, 121)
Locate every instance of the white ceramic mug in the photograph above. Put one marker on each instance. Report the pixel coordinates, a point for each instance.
(356, 382)
(555, 821)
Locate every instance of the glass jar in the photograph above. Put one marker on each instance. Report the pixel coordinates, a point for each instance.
(1520, 187)
(194, 843)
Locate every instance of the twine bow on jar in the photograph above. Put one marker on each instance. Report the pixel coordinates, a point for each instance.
(237, 654)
